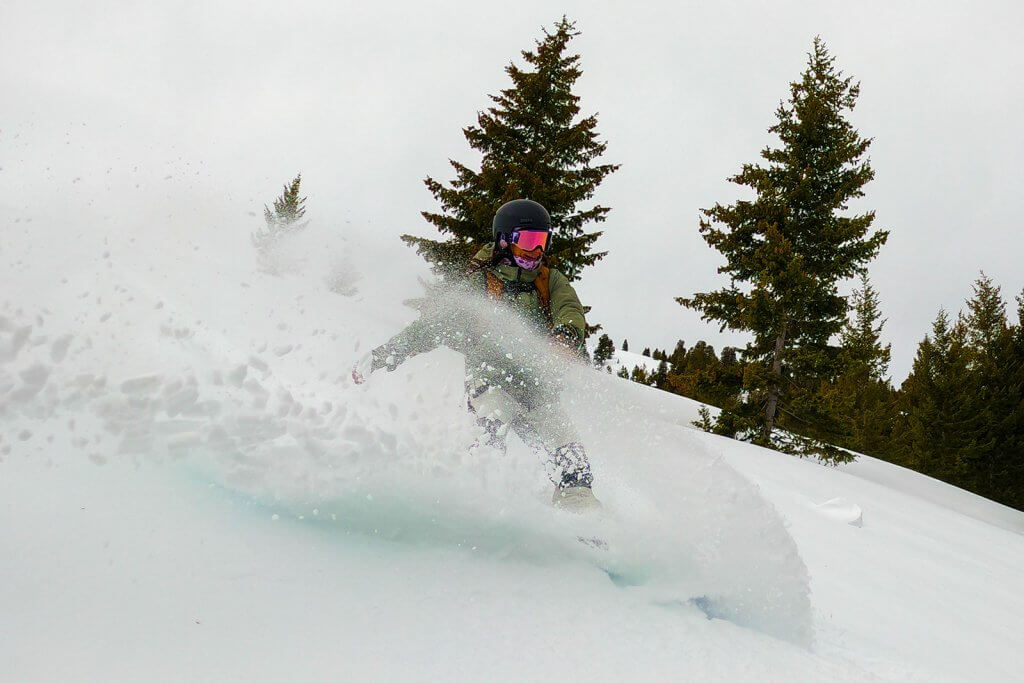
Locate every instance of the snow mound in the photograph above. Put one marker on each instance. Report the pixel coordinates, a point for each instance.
(843, 511)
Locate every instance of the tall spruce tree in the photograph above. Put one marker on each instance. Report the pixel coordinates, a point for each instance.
(986, 318)
(935, 398)
(788, 249)
(534, 147)
(963, 418)
(861, 337)
(989, 403)
(1013, 426)
(860, 401)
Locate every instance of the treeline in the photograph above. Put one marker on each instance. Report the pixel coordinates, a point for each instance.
(958, 417)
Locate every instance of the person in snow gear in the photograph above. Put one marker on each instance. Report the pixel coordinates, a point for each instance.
(503, 393)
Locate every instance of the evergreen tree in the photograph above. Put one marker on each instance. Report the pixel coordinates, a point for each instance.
(678, 357)
(605, 350)
(934, 403)
(623, 373)
(646, 352)
(991, 400)
(625, 345)
(283, 220)
(963, 407)
(860, 404)
(703, 377)
(986, 317)
(788, 249)
(660, 376)
(861, 337)
(1012, 427)
(639, 375)
(286, 216)
(533, 146)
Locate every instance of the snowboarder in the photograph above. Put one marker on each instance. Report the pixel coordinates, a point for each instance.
(502, 393)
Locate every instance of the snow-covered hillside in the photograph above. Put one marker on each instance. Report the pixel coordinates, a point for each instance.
(192, 488)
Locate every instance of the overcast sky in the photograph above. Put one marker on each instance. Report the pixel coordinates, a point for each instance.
(107, 105)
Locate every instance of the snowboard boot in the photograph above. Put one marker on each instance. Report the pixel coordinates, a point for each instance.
(493, 436)
(578, 499)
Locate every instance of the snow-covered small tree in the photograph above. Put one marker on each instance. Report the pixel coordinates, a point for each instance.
(285, 219)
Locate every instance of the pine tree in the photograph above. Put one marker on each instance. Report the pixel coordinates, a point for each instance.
(640, 375)
(604, 351)
(986, 316)
(286, 216)
(861, 337)
(990, 400)
(289, 208)
(625, 345)
(788, 249)
(934, 399)
(678, 357)
(1012, 427)
(283, 220)
(660, 376)
(860, 404)
(533, 146)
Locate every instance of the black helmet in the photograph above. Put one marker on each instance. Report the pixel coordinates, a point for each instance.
(520, 214)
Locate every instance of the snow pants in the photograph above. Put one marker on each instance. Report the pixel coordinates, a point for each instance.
(537, 419)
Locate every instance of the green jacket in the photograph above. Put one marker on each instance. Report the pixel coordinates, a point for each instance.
(487, 341)
(566, 309)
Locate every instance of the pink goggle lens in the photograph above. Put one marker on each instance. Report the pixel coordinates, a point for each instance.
(528, 240)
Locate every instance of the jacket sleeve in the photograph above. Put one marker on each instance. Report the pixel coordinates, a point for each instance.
(418, 337)
(435, 327)
(566, 309)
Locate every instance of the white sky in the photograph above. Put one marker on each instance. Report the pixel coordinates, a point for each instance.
(108, 105)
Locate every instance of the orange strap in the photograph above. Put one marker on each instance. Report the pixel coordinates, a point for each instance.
(543, 285)
(495, 288)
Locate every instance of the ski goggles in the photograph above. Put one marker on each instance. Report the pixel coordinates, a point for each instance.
(529, 240)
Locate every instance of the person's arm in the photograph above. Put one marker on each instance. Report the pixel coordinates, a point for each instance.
(419, 336)
(435, 327)
(567, 318)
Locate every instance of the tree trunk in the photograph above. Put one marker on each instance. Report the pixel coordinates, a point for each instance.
(775, 388)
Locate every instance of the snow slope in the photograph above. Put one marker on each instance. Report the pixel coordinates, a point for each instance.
(191, 488)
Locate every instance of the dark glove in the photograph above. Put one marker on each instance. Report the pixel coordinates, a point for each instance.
(568, 337)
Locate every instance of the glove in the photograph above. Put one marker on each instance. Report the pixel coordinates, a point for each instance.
(381, 357)
(567, 337)
(362, 369)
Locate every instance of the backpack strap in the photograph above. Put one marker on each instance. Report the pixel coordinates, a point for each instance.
(495, 288)
(542, 283)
